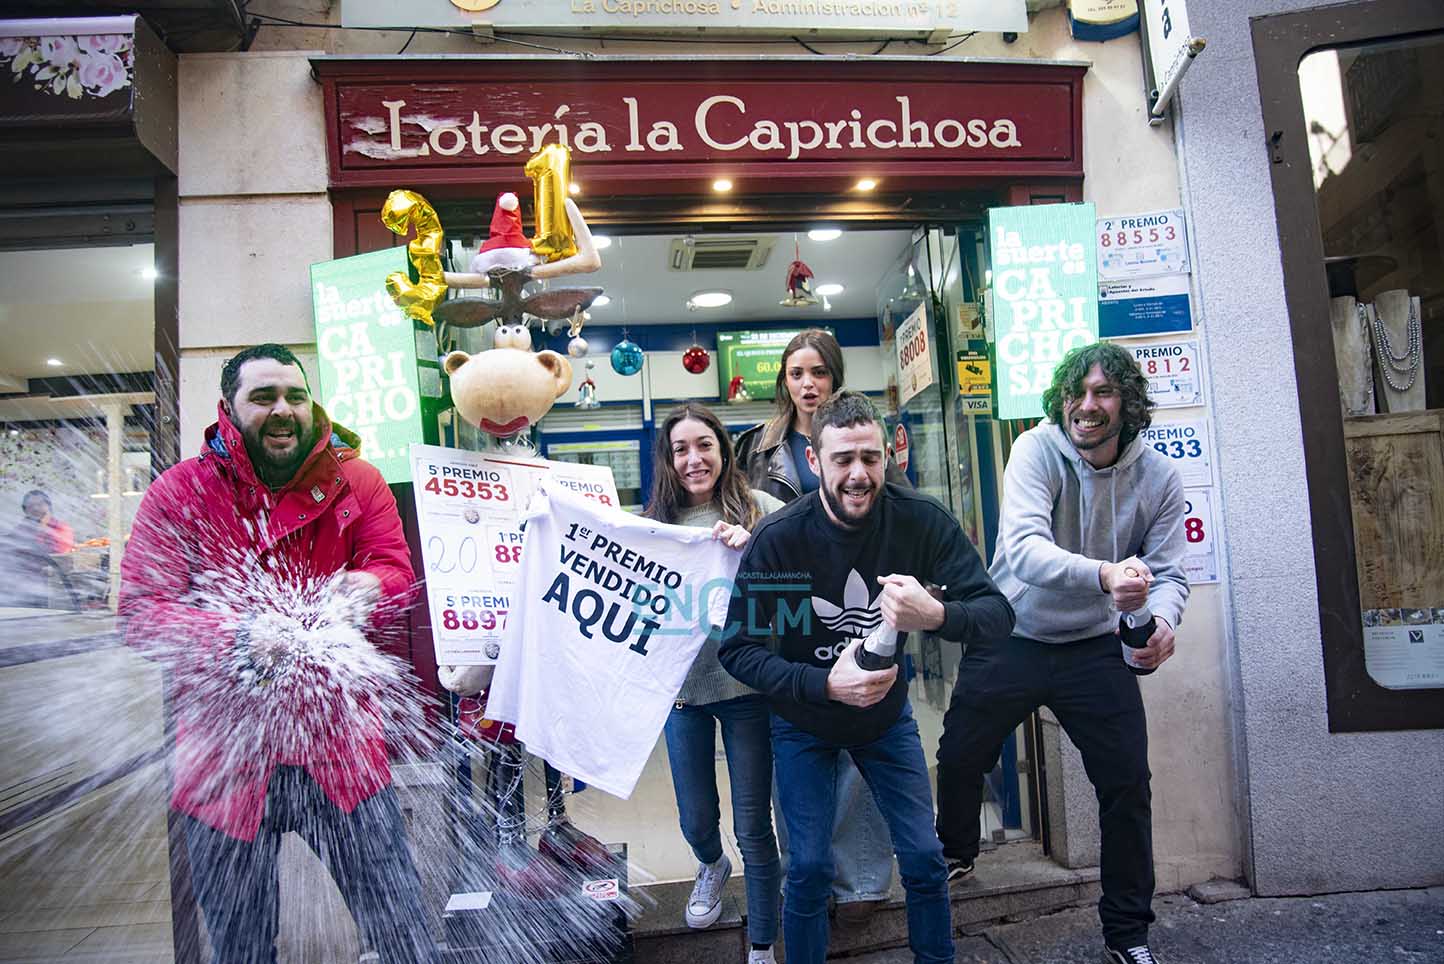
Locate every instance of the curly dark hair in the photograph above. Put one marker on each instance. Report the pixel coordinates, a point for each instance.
(1122, 370)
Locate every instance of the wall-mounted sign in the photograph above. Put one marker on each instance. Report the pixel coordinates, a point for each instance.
(367, 374)
(1044, 297)
(1186, 443)
(1142, 245)
(1102, 19)
(1200, 555)
(914, 355)
(868, 17)
(1171, 47)
(975, 379)
(900, 453)
(478, 120)
(1404, 648)
(1143, 270)
(1174, 376)
(753, 356)
(1146, 306)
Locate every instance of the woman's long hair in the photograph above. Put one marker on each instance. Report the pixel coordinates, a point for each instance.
(731, 495)
(830, 351)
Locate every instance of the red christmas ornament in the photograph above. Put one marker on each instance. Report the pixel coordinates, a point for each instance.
(696, 359)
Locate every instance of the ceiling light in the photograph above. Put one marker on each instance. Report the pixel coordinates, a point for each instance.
(721, 185)
(866, 184)
(831, 289)
(601, 301)
(574, 188)
(148, 273)
(601, 241)
(825, 234)
(710, 299)
(54, 362)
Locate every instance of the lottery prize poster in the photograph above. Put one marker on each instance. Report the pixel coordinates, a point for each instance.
(1175, 379)
(1200, 556)
(469, 507)
(1186, 443)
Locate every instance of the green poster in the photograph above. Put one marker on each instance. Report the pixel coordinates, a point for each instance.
(368, 379)
(1044, 297)
(756, 356)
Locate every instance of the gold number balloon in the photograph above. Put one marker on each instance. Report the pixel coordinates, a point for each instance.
(551, 173)
(402, 211)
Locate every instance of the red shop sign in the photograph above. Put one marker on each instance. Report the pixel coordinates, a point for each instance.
(477, 120)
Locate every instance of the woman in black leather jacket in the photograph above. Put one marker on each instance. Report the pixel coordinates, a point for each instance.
(773, 453)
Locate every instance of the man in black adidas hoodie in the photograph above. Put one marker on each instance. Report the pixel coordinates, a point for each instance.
(816, 578)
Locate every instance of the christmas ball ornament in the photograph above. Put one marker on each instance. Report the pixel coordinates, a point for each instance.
(578, 347)
(627, 357)
(696, 359)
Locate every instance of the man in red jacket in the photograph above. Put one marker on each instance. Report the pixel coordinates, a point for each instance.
(262, 573)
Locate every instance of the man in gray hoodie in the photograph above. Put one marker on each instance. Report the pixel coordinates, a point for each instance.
(1091, 527)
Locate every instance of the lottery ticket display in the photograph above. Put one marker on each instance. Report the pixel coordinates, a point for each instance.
(468, 506)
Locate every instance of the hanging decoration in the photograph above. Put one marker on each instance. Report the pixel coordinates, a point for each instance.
(578, 346)
(627, 356)
(587, 390)
(696, 359)
(799, 281)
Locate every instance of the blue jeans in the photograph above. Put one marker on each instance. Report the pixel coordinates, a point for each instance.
(236, 881)
(691, 745)
(894, 767)
(861, 850)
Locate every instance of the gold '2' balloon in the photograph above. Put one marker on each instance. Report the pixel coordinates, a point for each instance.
(551, 172)
(402, 211)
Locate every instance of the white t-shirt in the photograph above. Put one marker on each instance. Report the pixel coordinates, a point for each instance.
(609, 612)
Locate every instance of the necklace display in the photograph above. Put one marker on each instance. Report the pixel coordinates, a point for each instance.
(1391, 364)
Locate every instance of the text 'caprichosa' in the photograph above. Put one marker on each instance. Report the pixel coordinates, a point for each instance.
(720, 122)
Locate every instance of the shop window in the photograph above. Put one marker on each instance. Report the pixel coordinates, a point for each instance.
(1361, 214)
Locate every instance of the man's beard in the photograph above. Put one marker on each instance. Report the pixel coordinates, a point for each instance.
(275, 469)
(842, 513)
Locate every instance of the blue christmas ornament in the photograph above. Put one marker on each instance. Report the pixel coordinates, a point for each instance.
(627, 357)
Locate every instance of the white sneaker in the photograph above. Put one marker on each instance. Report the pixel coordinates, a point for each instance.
(762, 957)
(705, 904)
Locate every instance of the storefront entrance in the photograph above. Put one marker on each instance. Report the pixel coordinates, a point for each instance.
(703, 209)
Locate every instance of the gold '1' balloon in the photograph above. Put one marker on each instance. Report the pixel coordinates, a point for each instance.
(551, 172)
(402, 211)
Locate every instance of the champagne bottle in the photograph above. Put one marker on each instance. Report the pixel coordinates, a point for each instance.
(1135, 628)
(879, 650)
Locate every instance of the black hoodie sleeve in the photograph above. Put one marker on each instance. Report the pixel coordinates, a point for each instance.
(974, 608)
(744, 650)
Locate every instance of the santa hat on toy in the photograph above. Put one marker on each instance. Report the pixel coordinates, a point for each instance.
(507, 246)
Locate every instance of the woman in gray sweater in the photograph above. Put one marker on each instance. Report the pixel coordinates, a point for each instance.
(697, 482)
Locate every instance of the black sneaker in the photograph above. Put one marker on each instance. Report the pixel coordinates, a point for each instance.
(958, 869)
(1133, 955)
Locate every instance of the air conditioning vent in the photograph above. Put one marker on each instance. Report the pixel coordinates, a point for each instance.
(714, 254)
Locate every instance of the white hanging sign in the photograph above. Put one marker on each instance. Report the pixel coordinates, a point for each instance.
(914, 355)
(1171, 48)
